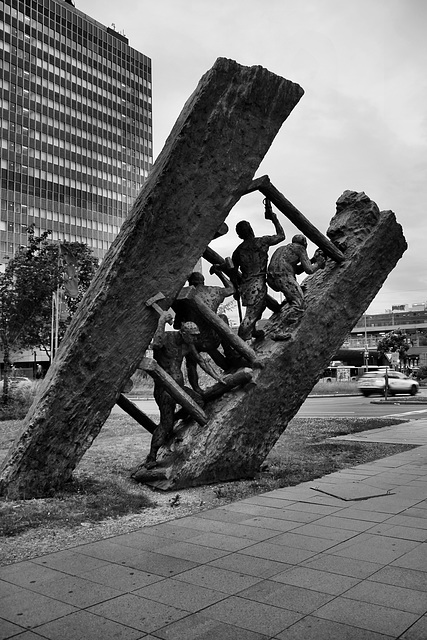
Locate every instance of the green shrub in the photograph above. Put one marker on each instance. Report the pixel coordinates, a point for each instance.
(20, 400)
(422, 373)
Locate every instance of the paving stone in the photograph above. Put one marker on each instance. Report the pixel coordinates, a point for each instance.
(182, 595)
(8, 629)
(376, 548)
(110, 552)
(69, 562)
(8, 589)
(326, 533)
(343, 566)
(83, 625)
(230, 582)
(220, 541)
(357, 512)
(269, 512)
(28, 609)
(138, 613)
(76, 591)
(390, 596)
(159, 564)
(312, 628)
(27, 573)
(194, 552)
(176, 530)
(286, 596)
(418, 631)
(408, 521)
(26, 635)
(119, 577)
(281, 553)
(369, 616)
(259, 567)
(415, 559)
(275, 524)
(405, 533)
(317, 580)
(199, 627)
(222, 515)
(300, 541)
(254, 616)
(401, 577)
(140, 540)
(349, 524)
(314, 510)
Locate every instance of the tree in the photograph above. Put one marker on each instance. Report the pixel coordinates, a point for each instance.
(394, 342)
(27, 286)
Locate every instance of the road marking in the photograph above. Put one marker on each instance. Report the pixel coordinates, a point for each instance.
(405, 413)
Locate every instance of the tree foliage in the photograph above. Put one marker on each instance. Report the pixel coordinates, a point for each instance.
(394, 341)
(27, 286)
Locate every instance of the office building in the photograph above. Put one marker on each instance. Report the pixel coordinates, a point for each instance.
(76, 125)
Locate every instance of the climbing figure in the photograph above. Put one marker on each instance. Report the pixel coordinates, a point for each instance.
(286, 262)
(209, 339)
(250, 260)
(169, 350)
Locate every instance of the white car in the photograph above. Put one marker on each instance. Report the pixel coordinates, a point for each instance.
(374, 382)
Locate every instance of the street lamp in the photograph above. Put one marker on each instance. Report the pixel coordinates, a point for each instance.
(366, 352)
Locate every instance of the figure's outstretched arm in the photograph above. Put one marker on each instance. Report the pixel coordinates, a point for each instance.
(280, 233)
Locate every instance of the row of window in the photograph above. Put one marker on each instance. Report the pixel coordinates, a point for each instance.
(18, 207)
(72, 113)
(120, 59)
(87, 81)
(11, 247)
(93, 110)
(40, 214)
(62, 94)
(87, 136)
(116, 167)
(90, 153)
(46, 179)
(55, 178)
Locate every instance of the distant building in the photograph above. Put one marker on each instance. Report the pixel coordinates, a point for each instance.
(76, 125)
(371, 327)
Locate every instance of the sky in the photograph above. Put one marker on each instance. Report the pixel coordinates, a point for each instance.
(361, 124)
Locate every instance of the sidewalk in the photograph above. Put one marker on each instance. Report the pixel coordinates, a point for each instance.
(339, 558)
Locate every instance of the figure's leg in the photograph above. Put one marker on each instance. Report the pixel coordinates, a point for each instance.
(292, 291)
(164, 429)
(255, 305)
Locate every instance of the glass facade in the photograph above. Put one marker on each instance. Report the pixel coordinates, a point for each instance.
(76, 119)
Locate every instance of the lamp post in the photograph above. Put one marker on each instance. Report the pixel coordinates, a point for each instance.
(366, 352)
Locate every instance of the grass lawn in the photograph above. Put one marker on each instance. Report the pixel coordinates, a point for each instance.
(102, 490)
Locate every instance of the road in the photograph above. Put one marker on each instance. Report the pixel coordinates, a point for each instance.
(336, 407)
(359, 407)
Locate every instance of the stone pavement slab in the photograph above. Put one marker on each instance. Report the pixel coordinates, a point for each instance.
(292, 564)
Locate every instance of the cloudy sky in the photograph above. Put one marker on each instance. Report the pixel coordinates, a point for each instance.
(361, 125)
